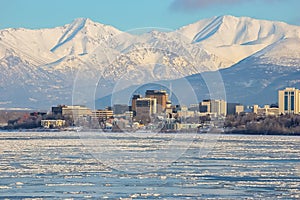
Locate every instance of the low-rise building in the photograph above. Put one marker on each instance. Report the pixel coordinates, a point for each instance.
(76, 111)
(185, 113)
(103, 115)
(121, 124)
(120, 108)
(53, 123)
(234, 108)
(188, 126)
(171, 124)
(266, 110)
(239, 109)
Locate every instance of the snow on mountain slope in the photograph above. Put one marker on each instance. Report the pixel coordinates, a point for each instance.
(32, 45)
(162, 56)
(48, 45)
(45, 62)
(26, 86)
(83, 36)
(237, 38)
(71, 32)
(285, 53)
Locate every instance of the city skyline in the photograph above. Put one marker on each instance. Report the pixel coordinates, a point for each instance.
(144, 114)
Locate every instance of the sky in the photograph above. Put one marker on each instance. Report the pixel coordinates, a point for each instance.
(132, 14)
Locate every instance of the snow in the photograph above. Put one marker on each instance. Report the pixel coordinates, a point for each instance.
(237, 38)
(208, 30)
(62, 165)
(38, 60)
(70, 33)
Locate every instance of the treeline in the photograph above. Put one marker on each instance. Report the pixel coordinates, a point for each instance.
(5, 116)
(251, 123)
(31, 120)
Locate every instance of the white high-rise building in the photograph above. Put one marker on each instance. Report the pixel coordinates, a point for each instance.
(289, 101)
(218, 107)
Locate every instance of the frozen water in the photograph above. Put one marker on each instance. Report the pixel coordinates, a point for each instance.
(60, 165)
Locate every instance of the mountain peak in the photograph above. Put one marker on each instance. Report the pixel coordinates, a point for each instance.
(81, 23)
(78, 22)
(80, 19)
(227, 17)
(236, 30)
(84, 21)
(70, 32)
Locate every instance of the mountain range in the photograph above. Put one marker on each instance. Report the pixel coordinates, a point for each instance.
(84, 60)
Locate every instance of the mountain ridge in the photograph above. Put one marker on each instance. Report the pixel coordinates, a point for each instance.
(51, 59)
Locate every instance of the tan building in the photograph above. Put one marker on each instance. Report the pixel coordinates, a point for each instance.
(128, 115)
(53, 123)
(239, 109)
(103, 114)
(266, 110)
(185, 112)
(255, 109)
(161, 97)
(76, 111)
(289, 101)
(204, 106)
(79, 114)
(218, 107)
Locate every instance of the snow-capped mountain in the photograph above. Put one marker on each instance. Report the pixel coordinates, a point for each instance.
(237, 38)
(39, 67)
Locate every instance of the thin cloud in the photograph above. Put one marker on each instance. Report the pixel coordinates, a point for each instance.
(188, 5)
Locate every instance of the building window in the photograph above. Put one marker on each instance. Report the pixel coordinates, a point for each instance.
(292, 102)
(142, 104)
(286, 102)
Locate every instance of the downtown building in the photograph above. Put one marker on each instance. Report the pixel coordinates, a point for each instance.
(216, 107)
(145, 108)
(133, 102)
(289, 101)
(162, 103)
(161, 97)
(103, 115)
(76, 111)
(266, 110)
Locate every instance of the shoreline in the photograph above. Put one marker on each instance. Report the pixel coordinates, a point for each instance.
(258, 133)
(233, 132)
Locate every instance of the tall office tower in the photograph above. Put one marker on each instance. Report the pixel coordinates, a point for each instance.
(289, 101)
(161, 97)
(145, 108)
(133, 102)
